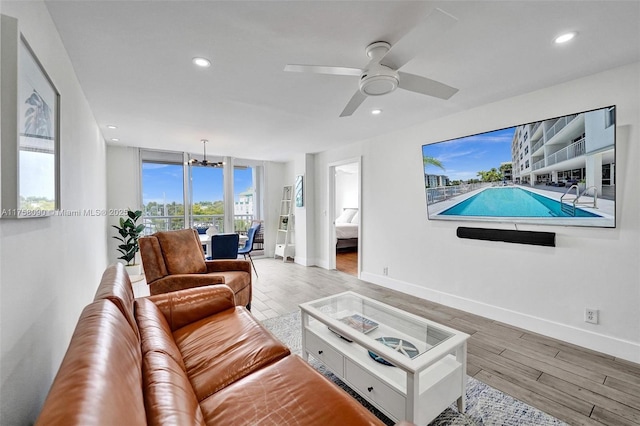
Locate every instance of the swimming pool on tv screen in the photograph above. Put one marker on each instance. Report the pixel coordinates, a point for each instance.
(512, 202)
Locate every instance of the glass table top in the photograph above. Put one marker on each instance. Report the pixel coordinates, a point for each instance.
(405, 333)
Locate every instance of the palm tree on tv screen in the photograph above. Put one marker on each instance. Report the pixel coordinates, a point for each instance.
(492, 175)
(426, 160)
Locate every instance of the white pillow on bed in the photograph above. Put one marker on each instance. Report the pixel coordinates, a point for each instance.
(356, 218)
(346, 216)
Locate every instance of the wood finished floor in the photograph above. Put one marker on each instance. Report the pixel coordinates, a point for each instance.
(574, 384)
(347, 262)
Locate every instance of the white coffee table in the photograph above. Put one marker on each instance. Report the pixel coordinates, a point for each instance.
(416, 389)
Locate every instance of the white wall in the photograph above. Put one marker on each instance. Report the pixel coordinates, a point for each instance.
(346, 190)
(275, 178)
(50, 267)
(123, 190)
(539, 288)
(304, 216)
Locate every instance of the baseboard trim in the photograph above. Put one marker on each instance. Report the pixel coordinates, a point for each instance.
(303, 261)
(598, 342)
(321, 264)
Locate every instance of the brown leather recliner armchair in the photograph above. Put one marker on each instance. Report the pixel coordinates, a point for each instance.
(174, 260)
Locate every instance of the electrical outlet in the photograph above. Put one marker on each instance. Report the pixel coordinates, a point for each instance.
(591, 315)
(385, 270)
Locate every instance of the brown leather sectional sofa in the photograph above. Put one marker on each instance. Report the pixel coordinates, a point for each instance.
(183, 358)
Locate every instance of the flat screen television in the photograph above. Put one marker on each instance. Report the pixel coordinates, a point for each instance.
(557, 171)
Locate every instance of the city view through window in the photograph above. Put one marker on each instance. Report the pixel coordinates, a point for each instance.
(164, 198)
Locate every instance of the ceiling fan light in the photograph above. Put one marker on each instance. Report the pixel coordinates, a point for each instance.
(201, 62)
(563, 38)
(378, 85)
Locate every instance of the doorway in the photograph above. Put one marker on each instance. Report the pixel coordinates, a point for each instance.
(344, 216)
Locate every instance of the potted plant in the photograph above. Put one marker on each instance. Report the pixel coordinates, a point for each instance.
(129, 232)
(582, 184)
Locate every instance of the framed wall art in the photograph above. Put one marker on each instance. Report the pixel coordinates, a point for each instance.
(299, 191)
(30, 130)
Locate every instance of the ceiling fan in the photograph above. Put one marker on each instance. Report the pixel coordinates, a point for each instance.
(381, 75)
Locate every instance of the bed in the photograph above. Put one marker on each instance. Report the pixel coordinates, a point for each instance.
(347, 229)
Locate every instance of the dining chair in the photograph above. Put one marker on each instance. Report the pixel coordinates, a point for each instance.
(248, 245)
(224, 246)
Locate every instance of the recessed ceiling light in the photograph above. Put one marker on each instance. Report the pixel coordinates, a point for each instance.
(202, 62)
(115, 140)
(111, 126)
(376, 111)
(563, 38)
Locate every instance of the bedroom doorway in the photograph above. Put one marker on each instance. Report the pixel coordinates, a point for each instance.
(345, 203)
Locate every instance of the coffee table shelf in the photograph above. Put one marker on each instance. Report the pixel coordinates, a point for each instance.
(415, 389)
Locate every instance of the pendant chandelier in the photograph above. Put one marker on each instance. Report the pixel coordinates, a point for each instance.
(205, 162)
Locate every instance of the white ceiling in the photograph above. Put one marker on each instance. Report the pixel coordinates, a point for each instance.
(133, 60)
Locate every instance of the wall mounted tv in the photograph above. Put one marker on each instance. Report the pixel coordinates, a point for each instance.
(558, 171)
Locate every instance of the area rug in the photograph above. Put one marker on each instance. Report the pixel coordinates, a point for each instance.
(485, 405)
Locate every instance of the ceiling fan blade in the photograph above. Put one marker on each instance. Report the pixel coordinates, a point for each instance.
(434, 25)
(353, 104)
(426, 86)
(320, 69)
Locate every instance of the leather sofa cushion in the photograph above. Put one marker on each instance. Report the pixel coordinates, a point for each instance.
(155, 334)
(100, 379)
(169, 397)
(182, 251)
(225, 347)
(287, 392)
(116, 287)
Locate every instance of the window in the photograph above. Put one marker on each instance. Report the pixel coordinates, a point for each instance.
(243, 197)
(526, 164)
(162, 196)
(576, 174)
(207, 197)
(176, 195)
(526, 150)
(606, 174)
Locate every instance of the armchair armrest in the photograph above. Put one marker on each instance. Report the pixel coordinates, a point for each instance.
(183, 281)
(187, 306)
(228, 265)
